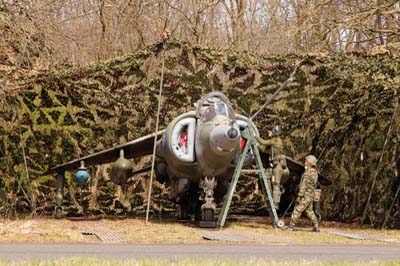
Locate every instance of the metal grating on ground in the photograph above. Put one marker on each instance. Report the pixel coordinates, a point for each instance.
(222, 236)
(361, 236)
(106, 236)
(245, 237)
(347, 234)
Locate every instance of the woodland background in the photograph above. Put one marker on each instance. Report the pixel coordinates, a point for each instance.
(79, 76)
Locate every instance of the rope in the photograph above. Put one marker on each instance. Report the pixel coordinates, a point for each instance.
(15, 175)
(155, 134)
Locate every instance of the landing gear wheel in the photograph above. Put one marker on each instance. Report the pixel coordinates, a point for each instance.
(208, 220)
(58, 213)
(208, 215)
(280, 223)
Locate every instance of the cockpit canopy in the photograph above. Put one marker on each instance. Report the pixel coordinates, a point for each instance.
(212, 105)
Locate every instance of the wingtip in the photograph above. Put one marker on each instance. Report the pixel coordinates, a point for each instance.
(52, 171)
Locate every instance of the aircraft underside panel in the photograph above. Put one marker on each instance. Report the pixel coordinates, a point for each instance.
(182, 139)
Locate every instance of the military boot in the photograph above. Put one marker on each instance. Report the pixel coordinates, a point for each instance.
(316, 229)
(289, 229)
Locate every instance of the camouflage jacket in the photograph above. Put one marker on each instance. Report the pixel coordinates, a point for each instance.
(308, 182)
(275, 144)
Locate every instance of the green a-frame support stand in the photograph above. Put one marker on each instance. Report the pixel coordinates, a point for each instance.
(251, 144)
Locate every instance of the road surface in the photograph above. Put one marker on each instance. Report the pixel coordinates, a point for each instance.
(25, 251)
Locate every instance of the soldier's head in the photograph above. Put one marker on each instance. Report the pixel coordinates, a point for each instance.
(274, 131)
(310, 160)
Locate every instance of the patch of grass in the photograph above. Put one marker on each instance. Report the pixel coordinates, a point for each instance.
(303, 235)
(188, 262)
(51, 230)
(39, 230)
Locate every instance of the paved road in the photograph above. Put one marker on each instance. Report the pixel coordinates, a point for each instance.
(266, 252)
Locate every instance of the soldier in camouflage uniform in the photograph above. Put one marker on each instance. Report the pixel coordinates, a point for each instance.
(305, 197)
(278, 159)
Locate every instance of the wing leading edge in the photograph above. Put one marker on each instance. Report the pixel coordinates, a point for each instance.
(297, 168)
(132, 149)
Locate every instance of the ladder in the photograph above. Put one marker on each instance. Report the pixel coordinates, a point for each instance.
(251, 145)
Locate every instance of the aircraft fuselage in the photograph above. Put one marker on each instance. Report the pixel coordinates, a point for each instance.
(199, 144)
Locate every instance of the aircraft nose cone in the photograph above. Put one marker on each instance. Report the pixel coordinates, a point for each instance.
(224, 139)
(232, 133)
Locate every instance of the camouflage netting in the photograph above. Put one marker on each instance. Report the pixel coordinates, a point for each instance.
(341, 106)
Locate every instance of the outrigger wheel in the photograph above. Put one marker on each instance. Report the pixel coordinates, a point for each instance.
(58, 212)
(184, 213)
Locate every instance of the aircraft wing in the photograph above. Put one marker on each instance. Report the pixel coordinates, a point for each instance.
(297, 168)
(132, 149)
(141, 170)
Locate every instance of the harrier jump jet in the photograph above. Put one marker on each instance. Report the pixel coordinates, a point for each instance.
(197, 152)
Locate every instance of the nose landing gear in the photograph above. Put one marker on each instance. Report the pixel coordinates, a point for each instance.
(208, 184)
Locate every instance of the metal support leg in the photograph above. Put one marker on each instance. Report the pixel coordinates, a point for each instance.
(232, 186)
(251, 144)
(266, 183)
(60, 179)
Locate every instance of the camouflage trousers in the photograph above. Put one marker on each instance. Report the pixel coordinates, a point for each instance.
(304, 204)
(278, 172)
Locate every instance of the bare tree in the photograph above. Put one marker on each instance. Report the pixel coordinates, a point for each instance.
(89, 30)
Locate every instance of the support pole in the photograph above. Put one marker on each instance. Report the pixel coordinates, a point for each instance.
(377, 170)
(391, 207)
(28, 181)
(60, 180)
(155, 135)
